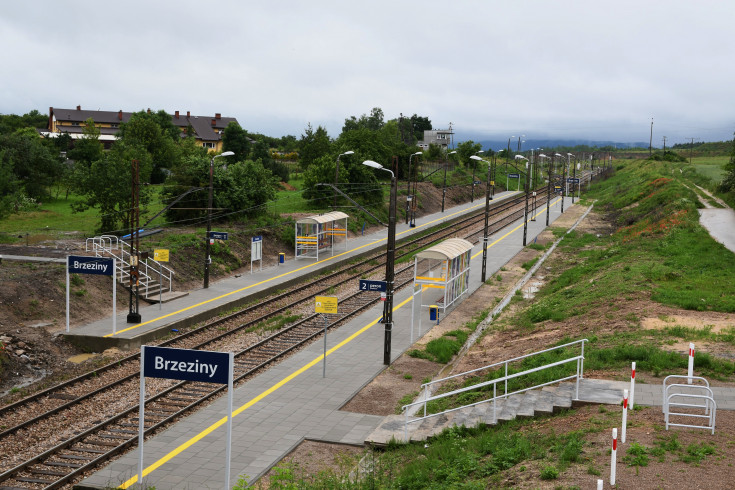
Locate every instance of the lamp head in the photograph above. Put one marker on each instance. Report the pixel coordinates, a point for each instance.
(348, 152)
(372, 164)
(418, 153)
(452, 152)
(475, 157)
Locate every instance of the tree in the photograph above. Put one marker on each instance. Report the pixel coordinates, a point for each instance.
(239, 186)
(153, 133)
(236, 139)
(372, 122)
(313, 145)
(88, 148)
(33, 165)
(106, 185)
(363, 188)
(467, 149)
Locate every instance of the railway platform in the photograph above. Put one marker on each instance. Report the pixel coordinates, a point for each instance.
(158, 320)
(293, 400)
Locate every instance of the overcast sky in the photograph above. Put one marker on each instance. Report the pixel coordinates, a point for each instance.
(563, 69)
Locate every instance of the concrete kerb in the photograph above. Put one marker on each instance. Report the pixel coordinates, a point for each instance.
(482, 326)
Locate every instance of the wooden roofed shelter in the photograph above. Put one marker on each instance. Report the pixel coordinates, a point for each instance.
(317, 233)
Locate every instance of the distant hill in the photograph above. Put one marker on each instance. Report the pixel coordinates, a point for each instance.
(556, 143)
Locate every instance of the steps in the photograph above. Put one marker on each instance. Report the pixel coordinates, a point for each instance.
(544, 401)
(150, 272)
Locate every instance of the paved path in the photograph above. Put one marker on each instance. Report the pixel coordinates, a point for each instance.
(291, 402)
(720, 223)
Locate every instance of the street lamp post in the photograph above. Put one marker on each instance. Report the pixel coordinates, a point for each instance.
(487, 215)
(444, 186)
(525, 213)
(566, 187)
(472, 197)
(408, 188)
(336, 176)
(207, 258)
(389, 262)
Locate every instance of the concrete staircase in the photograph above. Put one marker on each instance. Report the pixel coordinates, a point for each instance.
(544, 401)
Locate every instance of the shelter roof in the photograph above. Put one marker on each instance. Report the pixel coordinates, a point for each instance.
(324, 218)
(448, 249)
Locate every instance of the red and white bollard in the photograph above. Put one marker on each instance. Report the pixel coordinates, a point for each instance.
(625, 416)
(632, 385)
(599, 484)
(691, 363)
(613, 456)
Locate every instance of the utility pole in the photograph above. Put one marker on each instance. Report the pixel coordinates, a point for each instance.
(664, 138)
(691, 149)
(650, 141)
(133, 311)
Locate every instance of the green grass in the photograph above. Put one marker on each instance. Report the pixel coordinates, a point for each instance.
(457, 458)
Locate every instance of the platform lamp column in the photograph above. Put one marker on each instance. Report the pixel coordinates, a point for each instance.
(564, 180)
(550, 164)
(389, 262)
(414, 201)
(472, 198)
(574, 181)
(336, 177)
(207, 258)
(525, 213)
(408, 187)
(444, 186)
(487, 215)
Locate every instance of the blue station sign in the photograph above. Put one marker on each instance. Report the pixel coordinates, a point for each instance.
(258, 238)
(218, 235)
(514, 176)
(186, 364)
(90, 265)
(366, 285)
(573, 181)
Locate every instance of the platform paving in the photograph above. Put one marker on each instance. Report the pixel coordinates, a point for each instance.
(159, 319)
(291, 401)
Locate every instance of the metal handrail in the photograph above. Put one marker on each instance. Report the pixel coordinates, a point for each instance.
(103, 244)
(579, 375)
(506, 362)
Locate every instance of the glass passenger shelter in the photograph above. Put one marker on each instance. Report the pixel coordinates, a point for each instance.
(317, 233)
(443, 272)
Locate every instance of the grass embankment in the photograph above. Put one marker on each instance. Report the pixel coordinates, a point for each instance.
(657, 252)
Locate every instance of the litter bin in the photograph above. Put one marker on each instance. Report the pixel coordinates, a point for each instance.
(281, 258)
(434, 313)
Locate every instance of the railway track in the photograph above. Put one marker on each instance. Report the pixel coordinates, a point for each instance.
(84, 448)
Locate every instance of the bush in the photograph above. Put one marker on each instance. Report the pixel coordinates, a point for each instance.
(549, 473)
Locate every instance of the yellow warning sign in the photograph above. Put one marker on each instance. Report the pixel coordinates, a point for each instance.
(492, 182)
(326, 304)
(160, 255)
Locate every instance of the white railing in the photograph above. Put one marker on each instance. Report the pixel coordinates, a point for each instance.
(690, 379)
(709, 401)
(149, 270)
(701, 398)
(579, 359)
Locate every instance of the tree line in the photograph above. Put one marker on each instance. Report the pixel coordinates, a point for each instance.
(32, 166)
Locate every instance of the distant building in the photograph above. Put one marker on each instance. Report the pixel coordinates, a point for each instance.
(438, 137)
(207, 130)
